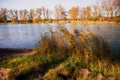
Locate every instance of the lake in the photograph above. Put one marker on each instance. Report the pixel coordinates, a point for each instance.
(26, 36)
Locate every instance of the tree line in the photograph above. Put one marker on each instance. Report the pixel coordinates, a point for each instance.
(102, 10)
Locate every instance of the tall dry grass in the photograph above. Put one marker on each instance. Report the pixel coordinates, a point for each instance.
(83, 49)
(83, 43)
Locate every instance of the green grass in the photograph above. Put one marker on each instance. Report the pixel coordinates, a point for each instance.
(62, 55)
(22, 64)
(72, 67)
(25, 65)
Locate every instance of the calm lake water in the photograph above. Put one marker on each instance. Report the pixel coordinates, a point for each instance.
(28, 35)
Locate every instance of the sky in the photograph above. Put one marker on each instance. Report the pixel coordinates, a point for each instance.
(33, 4)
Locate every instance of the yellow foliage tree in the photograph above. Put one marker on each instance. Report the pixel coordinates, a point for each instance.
(73, 12)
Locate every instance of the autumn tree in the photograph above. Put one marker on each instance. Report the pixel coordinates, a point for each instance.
(60, 12)
(74, 12)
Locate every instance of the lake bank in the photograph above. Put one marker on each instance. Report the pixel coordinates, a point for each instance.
(66, 21)
(87, 22)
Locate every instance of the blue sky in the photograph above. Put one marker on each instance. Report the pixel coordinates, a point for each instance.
(33, 4)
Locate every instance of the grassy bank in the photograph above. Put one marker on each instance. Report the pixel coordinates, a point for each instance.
(66, 55)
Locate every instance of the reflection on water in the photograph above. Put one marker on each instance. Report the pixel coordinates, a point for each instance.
(28, 35)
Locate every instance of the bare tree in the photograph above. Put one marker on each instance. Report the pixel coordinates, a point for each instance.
(43, 12)
(47, 14)
(95, 13)
(60, 12)
(24, 15)
(110, 6)
(16, 15)
(116, 4)
(82, 13)
(13, 15)
(39, 13)
(31, 15)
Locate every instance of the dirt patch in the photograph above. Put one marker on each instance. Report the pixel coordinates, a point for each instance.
(4, 74)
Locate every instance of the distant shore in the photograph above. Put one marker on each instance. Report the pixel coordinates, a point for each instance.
(65, 21)
(88, 22)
